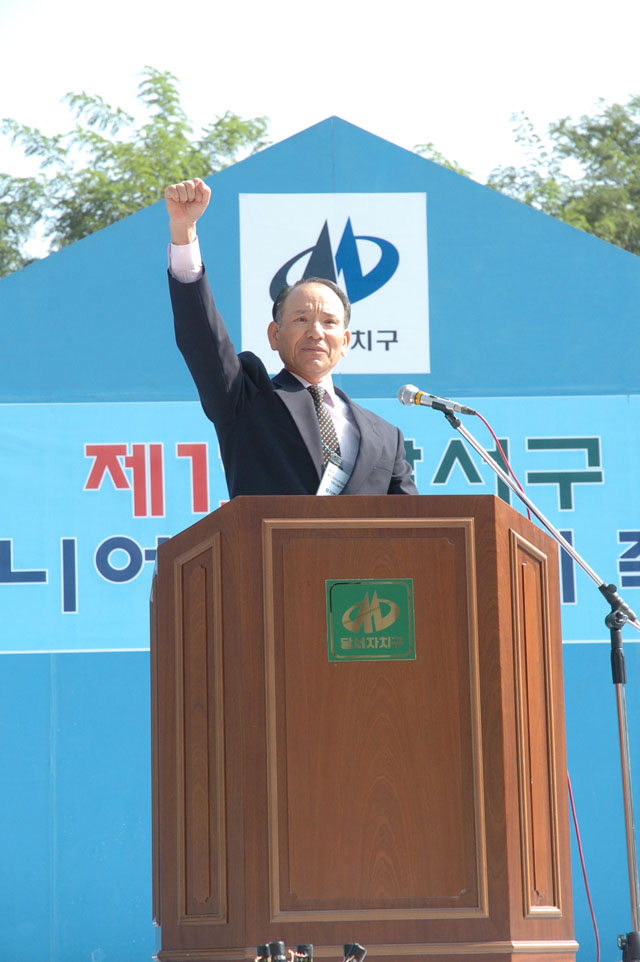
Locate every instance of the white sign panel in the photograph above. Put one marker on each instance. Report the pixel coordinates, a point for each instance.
(373, 245)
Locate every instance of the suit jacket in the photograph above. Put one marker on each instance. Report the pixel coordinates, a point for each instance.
(268, 428)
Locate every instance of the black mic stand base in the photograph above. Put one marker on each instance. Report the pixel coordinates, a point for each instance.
(630, 945)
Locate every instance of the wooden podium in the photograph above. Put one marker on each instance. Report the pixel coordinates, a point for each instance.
(308, 788)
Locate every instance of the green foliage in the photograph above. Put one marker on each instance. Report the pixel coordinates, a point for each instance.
(106, 167)
(588, 175)
(431, 152)
(19, 213)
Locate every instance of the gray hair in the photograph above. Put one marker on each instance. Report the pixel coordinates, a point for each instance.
(283, 294)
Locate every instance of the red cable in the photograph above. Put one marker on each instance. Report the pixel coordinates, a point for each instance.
(503, 455)
(584, 870)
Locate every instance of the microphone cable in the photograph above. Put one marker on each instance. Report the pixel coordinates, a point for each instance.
(584, 869)
(502, 455)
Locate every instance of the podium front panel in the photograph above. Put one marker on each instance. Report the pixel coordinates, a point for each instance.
(376, 803)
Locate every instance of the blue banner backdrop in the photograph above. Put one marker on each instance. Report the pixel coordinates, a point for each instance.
(100, 485)
(105, 452)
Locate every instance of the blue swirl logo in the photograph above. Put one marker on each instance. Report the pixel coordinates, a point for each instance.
(346, 261)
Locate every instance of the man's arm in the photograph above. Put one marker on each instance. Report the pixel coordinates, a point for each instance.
(201, 334)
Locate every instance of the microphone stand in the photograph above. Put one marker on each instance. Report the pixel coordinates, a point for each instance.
(619, 616)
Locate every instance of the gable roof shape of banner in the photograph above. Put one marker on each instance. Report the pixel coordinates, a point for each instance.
(519, 303)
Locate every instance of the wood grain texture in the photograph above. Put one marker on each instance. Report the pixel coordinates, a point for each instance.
(200, 726)
(417, 807)
(534, 683)
(360, 821)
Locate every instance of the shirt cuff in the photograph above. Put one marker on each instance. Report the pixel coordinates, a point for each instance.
(185, 262)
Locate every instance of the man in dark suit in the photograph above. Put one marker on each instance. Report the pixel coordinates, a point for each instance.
(275, 437)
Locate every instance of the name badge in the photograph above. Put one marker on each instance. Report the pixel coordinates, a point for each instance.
(335, 476)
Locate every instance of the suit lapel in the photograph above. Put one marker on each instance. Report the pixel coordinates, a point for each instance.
(369, 444)
(299, 403)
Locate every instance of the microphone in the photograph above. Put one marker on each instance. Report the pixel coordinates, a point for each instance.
(409, 394)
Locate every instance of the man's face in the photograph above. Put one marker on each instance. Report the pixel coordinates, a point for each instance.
(311, 337)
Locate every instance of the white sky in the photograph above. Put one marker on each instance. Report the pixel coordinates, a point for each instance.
(411, 72)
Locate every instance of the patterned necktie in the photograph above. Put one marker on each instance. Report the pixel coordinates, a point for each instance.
(328, 434)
